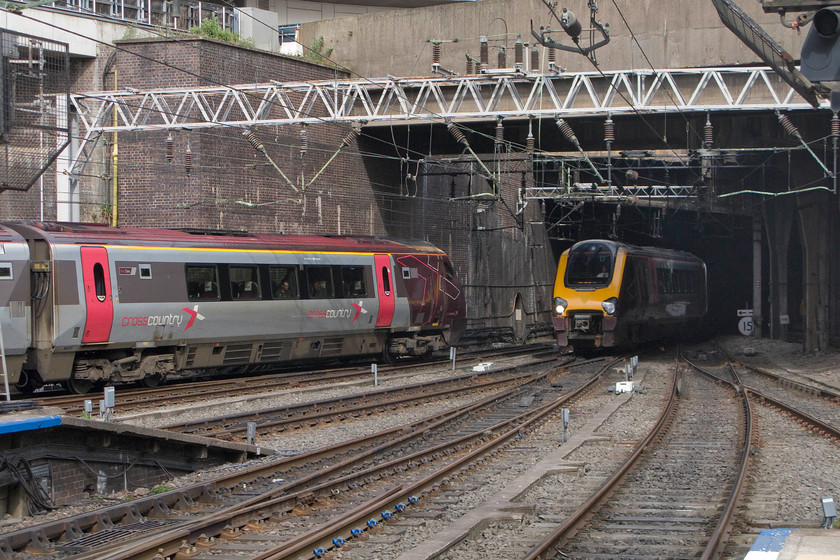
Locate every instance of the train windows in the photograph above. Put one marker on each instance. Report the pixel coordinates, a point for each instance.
(319, 280)
(591, 263)
(284, 283)
(6, 271)
(202, 282)
(353, 281)
(244, 282)
(145, 272)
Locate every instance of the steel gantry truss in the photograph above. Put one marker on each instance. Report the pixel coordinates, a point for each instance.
(493, 95)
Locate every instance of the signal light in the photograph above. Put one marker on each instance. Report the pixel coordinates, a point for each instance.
(820, 52)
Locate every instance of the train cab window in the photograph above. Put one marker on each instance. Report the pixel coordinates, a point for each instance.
(145, 272)
(244, 282)
(450, 272)
(284, 283)
(6, 271)
(99, 281)
(319, 280)
(202, 282)
(353, 283)
(589, 265)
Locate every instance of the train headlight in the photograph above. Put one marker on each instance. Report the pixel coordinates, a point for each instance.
(560, 305)
(609, 306)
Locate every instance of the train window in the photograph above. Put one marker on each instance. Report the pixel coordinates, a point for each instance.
(99, 281)
(244, 282)
(145, 272)
(592, 264)
(6, 271)
(319, 280)
(353, 281)
(450, 272)
(202, 282)
(284, 283)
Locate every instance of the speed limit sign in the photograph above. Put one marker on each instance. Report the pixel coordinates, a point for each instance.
(745, 326)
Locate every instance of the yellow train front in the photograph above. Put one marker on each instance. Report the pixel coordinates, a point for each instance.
(611, 294)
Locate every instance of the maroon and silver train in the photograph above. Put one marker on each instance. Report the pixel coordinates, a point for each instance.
(85, 304)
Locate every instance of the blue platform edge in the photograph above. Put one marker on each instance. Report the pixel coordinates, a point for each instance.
(768, 544)
(24, 424)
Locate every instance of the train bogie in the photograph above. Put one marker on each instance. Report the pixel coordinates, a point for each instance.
(610, 294)
(143, 305)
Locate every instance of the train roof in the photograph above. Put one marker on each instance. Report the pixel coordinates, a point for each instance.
(86, 234)
(655, 252)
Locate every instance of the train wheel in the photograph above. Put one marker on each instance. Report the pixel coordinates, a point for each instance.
(388, 356)
(78, 386)
(152, 380)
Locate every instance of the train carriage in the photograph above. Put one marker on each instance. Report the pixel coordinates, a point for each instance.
(611, 294)
(134, 304)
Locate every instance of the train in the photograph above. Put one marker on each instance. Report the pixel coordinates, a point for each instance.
(85, 305)
(609, 294)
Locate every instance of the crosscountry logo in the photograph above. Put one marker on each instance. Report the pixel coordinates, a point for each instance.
(194, 314)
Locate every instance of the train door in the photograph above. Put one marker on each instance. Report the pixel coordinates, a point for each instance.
(385, 289)
(98, 302)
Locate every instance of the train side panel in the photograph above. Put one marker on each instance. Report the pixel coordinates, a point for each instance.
(15, 297)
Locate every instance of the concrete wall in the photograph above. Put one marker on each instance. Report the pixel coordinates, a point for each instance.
(670, 33)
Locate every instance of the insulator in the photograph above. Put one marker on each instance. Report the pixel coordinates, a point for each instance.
(170, 152)
(254, 140)
(609, 130)
(535, 59)
(435, 52)
(351, 136)
(518, 53)
(188, 160)
(552, 55)
(787, 125)
(835, 125)
(529, 143)
(457, 134)
(304, 140)
(567, 131)
(500, 131)
(469, 66)
(484, 53)
(502, 57)
(708, 133)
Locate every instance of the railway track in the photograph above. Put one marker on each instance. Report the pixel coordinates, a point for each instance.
(131, 398)
(420, 460)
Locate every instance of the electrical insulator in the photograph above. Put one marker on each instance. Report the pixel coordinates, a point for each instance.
(835, 125)
(484, 53)
(435, 52)
(502, 57)
(609, 130)
(457, 134)
(708, 133)
(304, 140)
(188, 160)
(787, 125)
(535, 59)
(169, 149)
(567, 131)
(552, 56)
(500, 131)
(469, 66)
(529, 143)
(351, 136)
(254, 141)
(518, 54)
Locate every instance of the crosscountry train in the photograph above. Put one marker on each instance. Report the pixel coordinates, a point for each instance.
(86, 304)
(610, 294)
